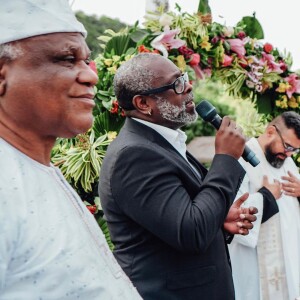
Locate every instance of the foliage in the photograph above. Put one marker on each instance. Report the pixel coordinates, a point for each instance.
(80, 159)
(95, 27)
(221, 56)
(234, 55)
(214, 92)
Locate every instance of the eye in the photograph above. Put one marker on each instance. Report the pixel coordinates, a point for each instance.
(87, 61)
(69, 58)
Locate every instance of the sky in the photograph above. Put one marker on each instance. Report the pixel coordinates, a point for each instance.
(279, 19)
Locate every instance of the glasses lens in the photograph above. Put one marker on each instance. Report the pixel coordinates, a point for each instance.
(179, 84)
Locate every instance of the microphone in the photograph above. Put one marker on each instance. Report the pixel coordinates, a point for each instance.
(209, 114)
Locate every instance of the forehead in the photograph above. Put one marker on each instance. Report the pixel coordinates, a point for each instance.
(55, 42)
(164, 68)
(290, 137)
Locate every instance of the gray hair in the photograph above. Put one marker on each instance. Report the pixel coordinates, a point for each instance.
(133, 77)
(10, 51)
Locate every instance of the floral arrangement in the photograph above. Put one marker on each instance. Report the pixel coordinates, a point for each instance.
(233, 55)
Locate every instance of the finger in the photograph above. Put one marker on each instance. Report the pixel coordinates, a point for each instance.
(291, 175)
(225, 122)
(287, 178)
(243, 231)
(248, 217)
(241, 200)
(253, 210)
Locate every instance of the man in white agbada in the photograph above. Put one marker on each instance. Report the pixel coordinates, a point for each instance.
(50, 244)
(266, 263)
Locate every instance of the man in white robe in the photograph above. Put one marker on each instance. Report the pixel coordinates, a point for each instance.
(51, 247)
(266, 263)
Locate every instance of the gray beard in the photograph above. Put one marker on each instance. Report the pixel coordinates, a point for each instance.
(174, 113)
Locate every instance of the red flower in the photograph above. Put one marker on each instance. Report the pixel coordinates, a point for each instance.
(186, 52)
(92, 208)
(241, 35)
(268, 48)
(195, 59)
(142, 49)
(115, 107)
(93, 66)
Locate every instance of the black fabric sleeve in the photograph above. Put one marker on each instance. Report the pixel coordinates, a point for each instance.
(270, 204)
(228, 236)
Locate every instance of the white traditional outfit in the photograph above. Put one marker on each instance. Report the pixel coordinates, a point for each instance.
(51, 247)
(266, 263)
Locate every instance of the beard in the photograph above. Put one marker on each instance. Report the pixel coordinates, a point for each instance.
(273, 159)
(174, 113)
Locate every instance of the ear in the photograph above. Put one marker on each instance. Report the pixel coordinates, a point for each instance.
(142, 104)
(2, 78)
(270, 131)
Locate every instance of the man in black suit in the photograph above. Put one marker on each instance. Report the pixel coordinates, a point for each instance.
(166, 213)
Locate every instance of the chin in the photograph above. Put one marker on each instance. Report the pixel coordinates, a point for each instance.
(77, 129)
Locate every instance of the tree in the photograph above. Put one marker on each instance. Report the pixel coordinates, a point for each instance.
(95, 26)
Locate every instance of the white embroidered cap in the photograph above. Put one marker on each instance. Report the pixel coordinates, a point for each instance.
(20, 19)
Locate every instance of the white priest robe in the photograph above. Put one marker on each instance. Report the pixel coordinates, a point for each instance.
(266, 263)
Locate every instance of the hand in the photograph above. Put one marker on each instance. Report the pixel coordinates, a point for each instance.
(275, 188)
(239, 219)
(292, 185)
(229, 139)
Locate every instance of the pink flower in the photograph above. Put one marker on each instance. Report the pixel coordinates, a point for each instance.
(166, 41)
(237, 46)
(271, 64)
(227, 60)
(294, 84)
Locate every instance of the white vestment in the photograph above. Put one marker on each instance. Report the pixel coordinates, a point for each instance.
(51, 247)
(277, 237)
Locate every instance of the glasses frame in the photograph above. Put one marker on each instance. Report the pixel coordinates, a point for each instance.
(184, 77)
(285, 146)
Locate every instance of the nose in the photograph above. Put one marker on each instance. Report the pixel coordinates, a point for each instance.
(188, 87)
(86, 75)
(289, 153)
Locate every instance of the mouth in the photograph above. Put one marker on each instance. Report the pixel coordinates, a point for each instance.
(189, 102)
(281, 156)
(86, 98)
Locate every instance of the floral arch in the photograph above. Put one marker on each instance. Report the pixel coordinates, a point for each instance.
(233, 55)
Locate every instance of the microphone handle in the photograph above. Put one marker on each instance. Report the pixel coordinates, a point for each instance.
(248, 155)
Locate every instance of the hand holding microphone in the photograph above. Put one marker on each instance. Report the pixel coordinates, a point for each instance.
(228, 140)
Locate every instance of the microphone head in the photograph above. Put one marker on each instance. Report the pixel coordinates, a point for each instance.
(206, 110)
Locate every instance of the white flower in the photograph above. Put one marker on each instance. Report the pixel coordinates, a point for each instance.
(165, 20)
(228, 31)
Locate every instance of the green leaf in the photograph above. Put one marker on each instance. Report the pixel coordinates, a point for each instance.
(119, 44)
(252, 27)
(264, 102)
(204, 7)
(103, 225)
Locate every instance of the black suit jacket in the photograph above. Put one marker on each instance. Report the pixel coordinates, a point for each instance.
(165, 222)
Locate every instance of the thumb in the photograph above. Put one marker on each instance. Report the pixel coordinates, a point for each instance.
(241, 200)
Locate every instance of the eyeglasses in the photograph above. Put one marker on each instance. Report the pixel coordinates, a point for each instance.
(287, 147)
(178, 86)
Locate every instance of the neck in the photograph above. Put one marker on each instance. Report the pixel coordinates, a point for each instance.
(37, 148)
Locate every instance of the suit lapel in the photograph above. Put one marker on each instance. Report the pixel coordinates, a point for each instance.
(153, 136)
